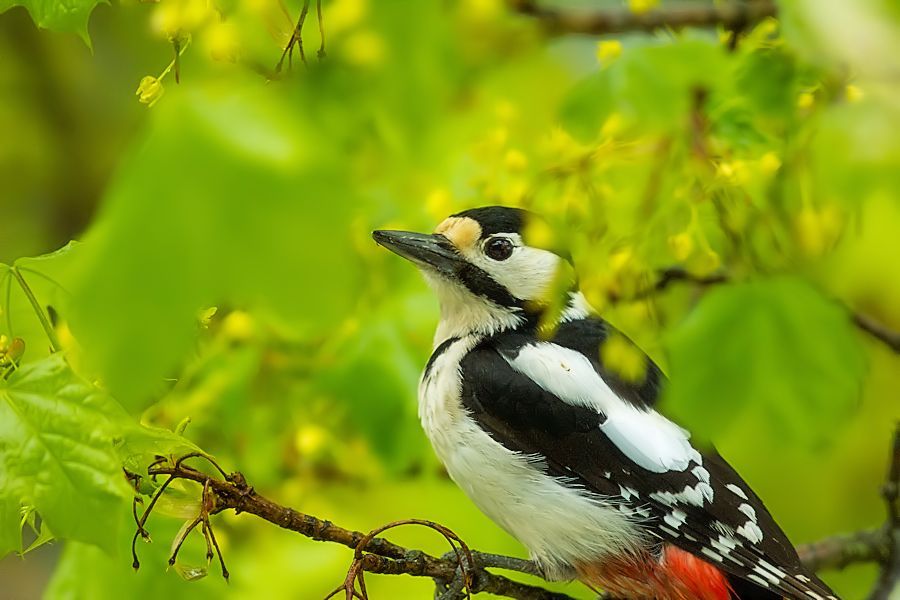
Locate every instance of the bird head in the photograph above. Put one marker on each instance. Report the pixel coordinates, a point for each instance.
(485, 271)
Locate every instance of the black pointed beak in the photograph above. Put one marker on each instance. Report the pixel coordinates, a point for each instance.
(430, 250)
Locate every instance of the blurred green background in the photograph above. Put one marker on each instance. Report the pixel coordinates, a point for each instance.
(774, 159)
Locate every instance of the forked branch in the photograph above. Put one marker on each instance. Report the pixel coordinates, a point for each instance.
(463, 572)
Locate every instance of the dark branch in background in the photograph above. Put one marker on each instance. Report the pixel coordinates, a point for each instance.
(462, 571)
(890, 338)
(666, 277)
(889, 580)
(733, 15)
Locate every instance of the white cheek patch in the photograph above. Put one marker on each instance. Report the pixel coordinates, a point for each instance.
(527, 274)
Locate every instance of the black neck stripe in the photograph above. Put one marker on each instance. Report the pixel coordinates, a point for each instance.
(481, 284)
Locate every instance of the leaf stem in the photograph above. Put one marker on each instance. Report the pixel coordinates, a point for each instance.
(38, 311)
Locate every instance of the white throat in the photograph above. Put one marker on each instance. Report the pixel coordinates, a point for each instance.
(463, 313)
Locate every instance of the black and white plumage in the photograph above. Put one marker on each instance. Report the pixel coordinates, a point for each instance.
(566, 456)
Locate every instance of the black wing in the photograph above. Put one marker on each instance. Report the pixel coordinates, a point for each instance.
(705, 509)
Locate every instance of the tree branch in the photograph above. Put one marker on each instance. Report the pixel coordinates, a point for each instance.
(733, 15)
(462, 572)
(382, 556)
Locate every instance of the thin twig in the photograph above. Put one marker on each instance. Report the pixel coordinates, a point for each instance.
(296, 40)
(734, 15)
(38, 311)
(889, 579)
(321, 53)
(890, 338)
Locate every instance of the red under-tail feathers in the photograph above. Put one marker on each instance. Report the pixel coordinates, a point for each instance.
(676, 575)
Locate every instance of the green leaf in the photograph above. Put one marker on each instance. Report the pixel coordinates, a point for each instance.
(778, 347)
(10, 521)
(137, 445)
(48, 277)
(228, 202)
(68, 16)
(57, 454)
(377, 377)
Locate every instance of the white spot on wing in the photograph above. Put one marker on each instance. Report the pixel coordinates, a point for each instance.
(628, 493)
(701, 474)
(737, 491)
(773, 569)
(675, 518)
(751, 531)
(689, 495)
(757, 579)
(766, 575)
(748, 510)
(671, 532)
(711, 554)
(723, 528)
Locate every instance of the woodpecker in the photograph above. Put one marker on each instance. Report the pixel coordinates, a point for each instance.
(561, 452)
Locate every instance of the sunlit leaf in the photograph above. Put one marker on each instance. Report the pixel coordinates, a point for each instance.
(58, 15)
(777, 346)
(56, 452)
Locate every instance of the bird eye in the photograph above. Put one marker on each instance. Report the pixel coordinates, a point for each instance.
(498, 248)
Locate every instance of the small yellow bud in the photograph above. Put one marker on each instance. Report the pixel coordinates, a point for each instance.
(150, 90)
(769, 163)
(345, 14)
(806, 100)
(853, 93)
(612, 126)
(206, 316)
(13, 351)
(439, 203)
(238, 326)
(681, 245)
(515, 161)
(222, 42)
(621, 260)
(641, 6)
(482, 10)
(309, 439)
(734, 172)
(623, 358)
(539, 234)
(365, 49)
(608, 51)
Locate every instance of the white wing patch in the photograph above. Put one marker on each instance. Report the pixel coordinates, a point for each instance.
(645, 436)
(736, 491)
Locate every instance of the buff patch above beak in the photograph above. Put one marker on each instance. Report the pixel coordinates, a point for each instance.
(463, 232)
